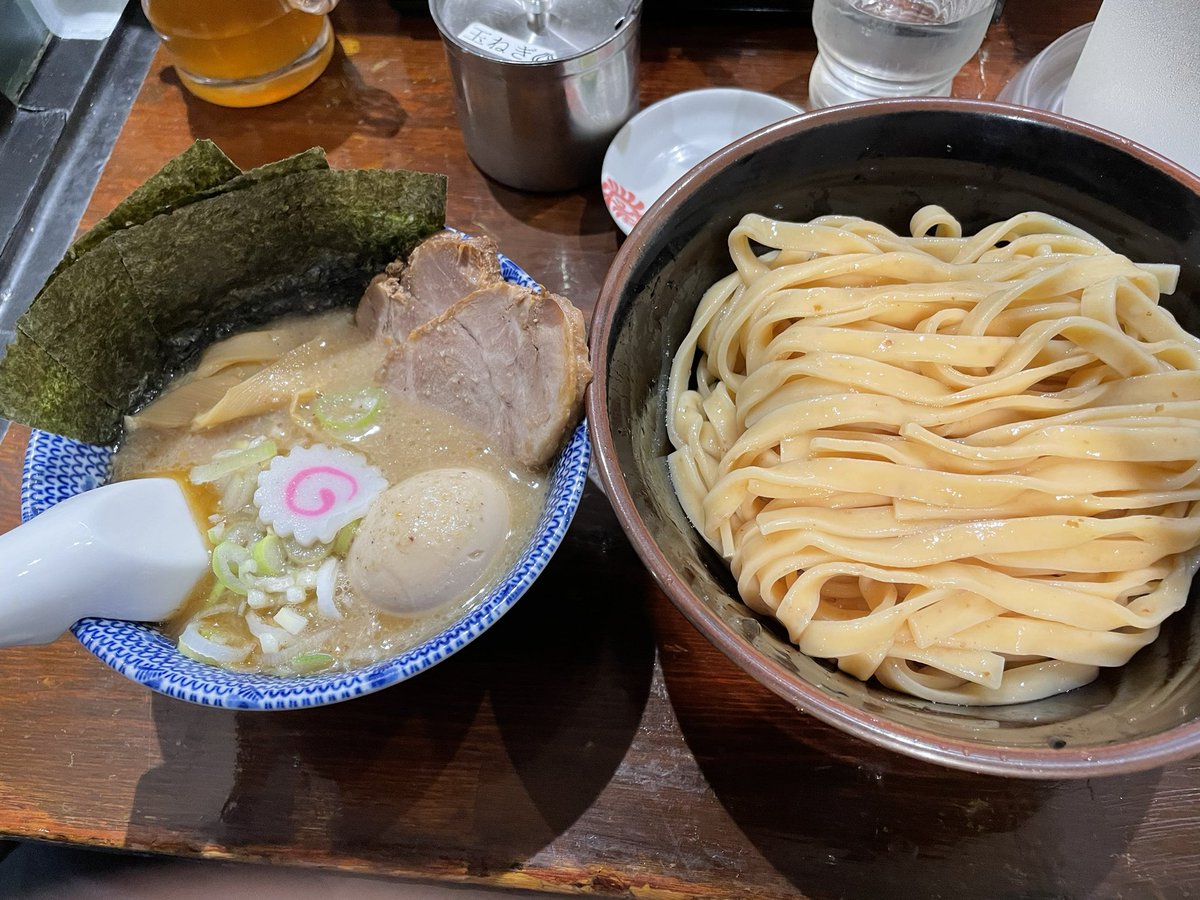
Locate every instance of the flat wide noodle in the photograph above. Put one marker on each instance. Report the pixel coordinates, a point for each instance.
(967, 466)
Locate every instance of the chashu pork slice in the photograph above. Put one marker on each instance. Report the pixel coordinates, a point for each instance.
(448, 264)
(441, 270)
(510, 361)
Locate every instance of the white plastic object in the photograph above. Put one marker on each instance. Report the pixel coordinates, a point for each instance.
(658, 145)
(86, 20)
(130, 550)
(1139, 76)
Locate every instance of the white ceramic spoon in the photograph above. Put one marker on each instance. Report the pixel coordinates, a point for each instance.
(130, 550)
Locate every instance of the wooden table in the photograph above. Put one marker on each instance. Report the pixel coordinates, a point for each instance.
(592, 741)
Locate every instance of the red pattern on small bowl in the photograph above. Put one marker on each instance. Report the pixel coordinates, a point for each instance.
(622, 202)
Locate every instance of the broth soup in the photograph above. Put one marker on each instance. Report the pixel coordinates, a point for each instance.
(278, 433)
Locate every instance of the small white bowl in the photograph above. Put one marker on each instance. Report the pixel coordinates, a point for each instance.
(663, 141)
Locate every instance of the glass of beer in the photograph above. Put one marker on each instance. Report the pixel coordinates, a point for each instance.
(245, 52)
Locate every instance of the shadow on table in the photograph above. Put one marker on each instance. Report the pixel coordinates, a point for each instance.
(338, 105)
(570, 254)
(470, 768)
(532, 208)
(842, 818)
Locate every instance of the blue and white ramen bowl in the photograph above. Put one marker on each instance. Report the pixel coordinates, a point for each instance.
(57, 467)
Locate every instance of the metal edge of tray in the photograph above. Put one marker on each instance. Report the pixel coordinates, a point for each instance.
(54, 144)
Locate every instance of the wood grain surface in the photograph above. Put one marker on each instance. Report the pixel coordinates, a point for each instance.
(591, 741)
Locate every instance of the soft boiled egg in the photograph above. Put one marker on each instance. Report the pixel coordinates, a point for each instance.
(429, 540)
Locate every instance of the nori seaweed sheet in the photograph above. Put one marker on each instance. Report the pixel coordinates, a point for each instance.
(305, 161)
(201, 171)
(93, 322)
(198, 268)
(189, 259)
(197, 170)
(61, 403)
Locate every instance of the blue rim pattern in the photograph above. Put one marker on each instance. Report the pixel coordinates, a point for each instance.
(57, 467)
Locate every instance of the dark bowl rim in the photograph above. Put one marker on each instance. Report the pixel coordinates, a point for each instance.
(1026, 762)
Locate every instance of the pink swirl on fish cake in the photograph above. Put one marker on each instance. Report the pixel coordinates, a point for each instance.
(311, 493)
(326, 496)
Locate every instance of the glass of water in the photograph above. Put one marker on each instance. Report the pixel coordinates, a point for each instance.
(869, 49)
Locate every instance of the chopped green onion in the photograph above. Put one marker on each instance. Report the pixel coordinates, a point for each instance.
(305, 556)
(326, 589)
(226, 557)
(271, 584)
(312, 662)
(353, 411)
(203, 649)
(290, 620)
(268, 642)
(244, 532)
(209, 613)
(268, 554)
(223, 465)
(237, 489)
(213, 633)
(345, 537)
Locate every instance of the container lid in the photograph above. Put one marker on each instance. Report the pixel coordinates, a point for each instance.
(532, 31)
(1043, 82)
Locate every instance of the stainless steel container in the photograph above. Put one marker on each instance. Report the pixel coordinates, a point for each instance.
(541, 86)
